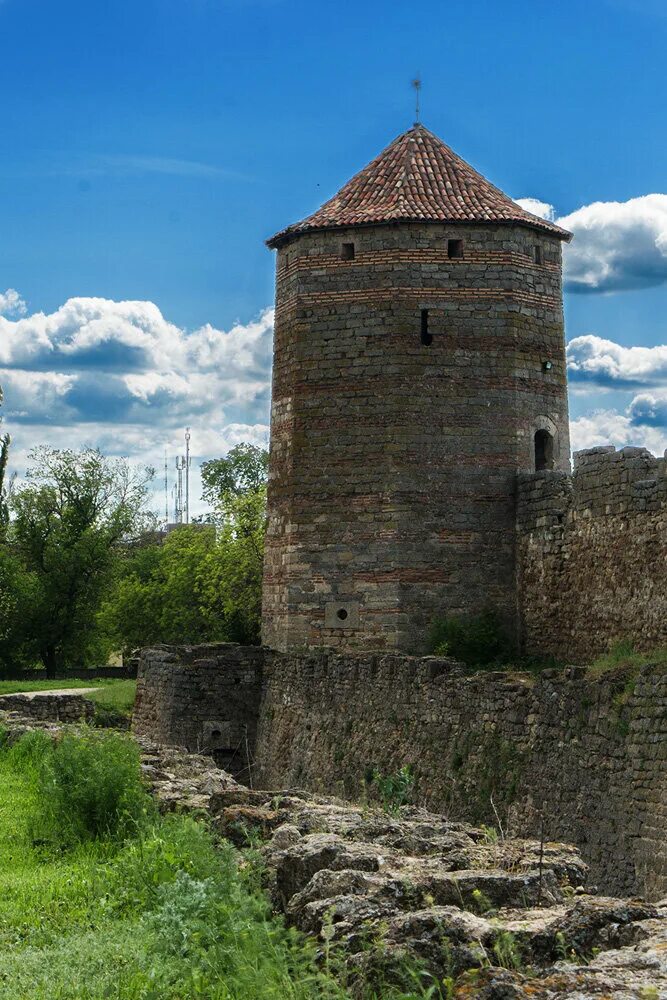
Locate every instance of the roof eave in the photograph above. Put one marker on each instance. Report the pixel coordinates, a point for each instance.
(290, 233)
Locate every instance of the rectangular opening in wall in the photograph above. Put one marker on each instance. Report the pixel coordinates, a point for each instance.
(347, 251)
(426, 337)
(455, 248)
(538, 255)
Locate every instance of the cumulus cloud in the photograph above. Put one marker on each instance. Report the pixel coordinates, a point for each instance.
(600, 364)
(540, 208)
(120, 376)
(617, 245)
(605, 363)
(649, 409)
(603, 427)
(35, 396)
(11, 303)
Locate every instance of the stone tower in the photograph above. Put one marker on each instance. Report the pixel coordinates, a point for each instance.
(419, 365)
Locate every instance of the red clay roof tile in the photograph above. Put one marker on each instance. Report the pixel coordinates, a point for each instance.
(417, 177)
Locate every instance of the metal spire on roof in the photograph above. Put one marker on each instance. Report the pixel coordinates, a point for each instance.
(417, 84)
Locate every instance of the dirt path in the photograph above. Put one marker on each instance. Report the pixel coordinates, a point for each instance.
(42, 694)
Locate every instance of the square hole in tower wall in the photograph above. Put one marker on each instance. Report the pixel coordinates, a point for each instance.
(455, 248)
(347, 251)
(341, 614)
(217, 735)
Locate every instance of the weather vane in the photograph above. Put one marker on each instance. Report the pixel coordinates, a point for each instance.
(417, 84)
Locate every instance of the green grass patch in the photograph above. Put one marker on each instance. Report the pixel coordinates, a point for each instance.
(121, 687)
(93, 905)
(114, 702)
(623, 657)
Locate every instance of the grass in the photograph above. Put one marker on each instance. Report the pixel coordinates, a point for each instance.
(117, 696)
(102, 898)
(622, 656)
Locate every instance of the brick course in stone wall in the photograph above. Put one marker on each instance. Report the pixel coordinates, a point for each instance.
(592, 554)
(589, 755)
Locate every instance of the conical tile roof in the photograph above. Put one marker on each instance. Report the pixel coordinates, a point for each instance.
(417, 178)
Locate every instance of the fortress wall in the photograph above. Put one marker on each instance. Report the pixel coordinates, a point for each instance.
(592, 554)
(589, 755)
(205, 698)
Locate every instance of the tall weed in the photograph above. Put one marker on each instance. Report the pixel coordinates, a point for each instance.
(89, 788)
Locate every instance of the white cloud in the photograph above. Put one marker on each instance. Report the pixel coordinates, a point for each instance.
(119, 376)
(540, 208)
(611, 427)
(649, 409)
(11, 303)
(617, 245)
(605, 363)
(39, 395)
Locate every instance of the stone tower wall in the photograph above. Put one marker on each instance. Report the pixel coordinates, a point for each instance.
(592, 554)
(392, 485)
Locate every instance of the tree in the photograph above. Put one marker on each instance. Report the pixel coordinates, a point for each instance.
(243, 471)
(9, 571)
(236, 487)
(158, 596)
(204, 582)
(70, 521)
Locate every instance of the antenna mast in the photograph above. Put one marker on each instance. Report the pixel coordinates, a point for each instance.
(166, 491)
(417, 84)
(180, 465)
(187, 475)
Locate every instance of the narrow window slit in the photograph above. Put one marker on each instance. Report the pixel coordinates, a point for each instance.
(538, 255)
(347, 251)
(426, 337)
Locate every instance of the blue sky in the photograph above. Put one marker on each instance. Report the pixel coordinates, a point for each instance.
(151, 146)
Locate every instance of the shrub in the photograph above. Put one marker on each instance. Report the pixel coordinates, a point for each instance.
(173, 844)
(477, 640)
(394, 789)
(90, 788)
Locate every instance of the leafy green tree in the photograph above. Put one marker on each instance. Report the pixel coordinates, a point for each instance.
(204, 582)
(236, 488)
(159, 595)
(10, 578)
(70, 521)
(242, 472)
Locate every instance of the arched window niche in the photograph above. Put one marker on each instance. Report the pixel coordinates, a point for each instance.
(543, 450)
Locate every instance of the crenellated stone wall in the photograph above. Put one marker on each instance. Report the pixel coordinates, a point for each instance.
(584, 758)
(592, 554)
